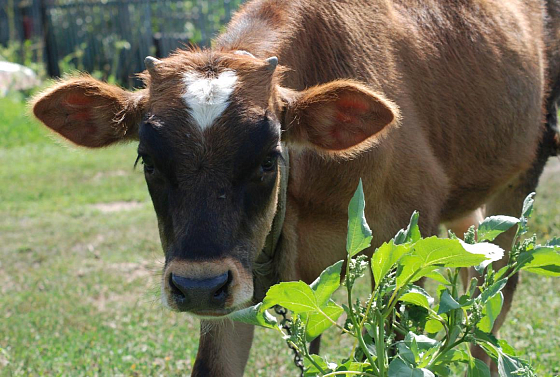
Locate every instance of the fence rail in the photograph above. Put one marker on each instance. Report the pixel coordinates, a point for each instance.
(110, 38)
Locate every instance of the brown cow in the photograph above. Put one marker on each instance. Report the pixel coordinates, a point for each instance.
(436, 105)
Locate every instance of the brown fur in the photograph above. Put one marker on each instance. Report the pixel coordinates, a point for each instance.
(436, 105)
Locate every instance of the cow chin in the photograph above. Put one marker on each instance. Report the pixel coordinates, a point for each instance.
(209, 289)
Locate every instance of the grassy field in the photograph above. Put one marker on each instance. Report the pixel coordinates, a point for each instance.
(80, 262)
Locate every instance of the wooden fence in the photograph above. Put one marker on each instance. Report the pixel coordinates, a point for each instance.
(111, 38)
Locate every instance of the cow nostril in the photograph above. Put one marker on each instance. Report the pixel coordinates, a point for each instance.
(174, 288)
(222, 290)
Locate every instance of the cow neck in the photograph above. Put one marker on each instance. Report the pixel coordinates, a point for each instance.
(264, 272)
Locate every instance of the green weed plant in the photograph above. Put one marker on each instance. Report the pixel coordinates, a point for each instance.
(400, 330)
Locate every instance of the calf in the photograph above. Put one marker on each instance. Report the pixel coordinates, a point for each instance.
(436, 105)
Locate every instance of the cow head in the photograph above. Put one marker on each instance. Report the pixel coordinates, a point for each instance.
(209, 126)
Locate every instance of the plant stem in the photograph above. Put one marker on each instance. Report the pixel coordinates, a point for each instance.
(306, 354)
(368, 307)
(399, 329)
(366, 351)
(443, 350)
(345, 372)
(454, 283)
(380, 343)
(357, 329)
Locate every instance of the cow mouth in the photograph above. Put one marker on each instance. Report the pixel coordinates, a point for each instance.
(212, 314)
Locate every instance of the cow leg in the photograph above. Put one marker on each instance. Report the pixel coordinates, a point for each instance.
(223, 348)
(315, 346)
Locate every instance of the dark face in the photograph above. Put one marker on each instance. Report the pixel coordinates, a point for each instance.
(212, 169)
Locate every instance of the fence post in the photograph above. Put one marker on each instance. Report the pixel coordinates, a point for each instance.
(51, 58)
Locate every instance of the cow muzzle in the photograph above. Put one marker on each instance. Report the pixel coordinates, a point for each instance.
(206, 288)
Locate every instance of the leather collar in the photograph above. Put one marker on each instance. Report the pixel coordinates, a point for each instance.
(264, 272)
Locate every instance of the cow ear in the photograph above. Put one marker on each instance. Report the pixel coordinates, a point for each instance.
(90, 113)
(340, 117)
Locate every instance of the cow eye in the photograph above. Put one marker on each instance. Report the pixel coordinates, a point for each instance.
(269, 163)
(148, 164)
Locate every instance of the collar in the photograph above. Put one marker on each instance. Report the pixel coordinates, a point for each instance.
(264, 272)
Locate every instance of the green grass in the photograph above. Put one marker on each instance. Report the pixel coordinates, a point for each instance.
(17, 129)
(79, 285)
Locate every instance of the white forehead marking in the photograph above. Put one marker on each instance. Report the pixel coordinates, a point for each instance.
(206, 97)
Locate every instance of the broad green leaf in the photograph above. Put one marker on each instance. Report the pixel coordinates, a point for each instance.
(254, 316)
(526, 213)
(454, 333)
(399, 368)
(415, 350)
(427, 357)
(506, 348)
(485, 337)
(447, 303)
(411, 233)
(370, 344)
(491, 227)
(417, 296)
(542, 260)
(490, 312)
(317, 322)
(478, 368)
(549, 270)
(472, 286)
(441, 370)
(454, 355)
(423, 342)
(511, 366)
(312, 371)
(437, 276)
(429, 253)
(492, 252)
(353, 366)
(293, 295)
(359, 234)
(528, 205)
(508, 366)
(370, 329)
(492, 290)
(412, 268)
(328, 282)
(406, 353)
(501, 272)
(465, 301)
(385, 257)
(433, 326)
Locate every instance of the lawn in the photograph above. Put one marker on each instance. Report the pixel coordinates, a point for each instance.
(80, 261)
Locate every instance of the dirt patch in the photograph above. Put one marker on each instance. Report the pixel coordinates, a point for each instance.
(108, 174)
(144, 275)
(116, 206)
(133, 271)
